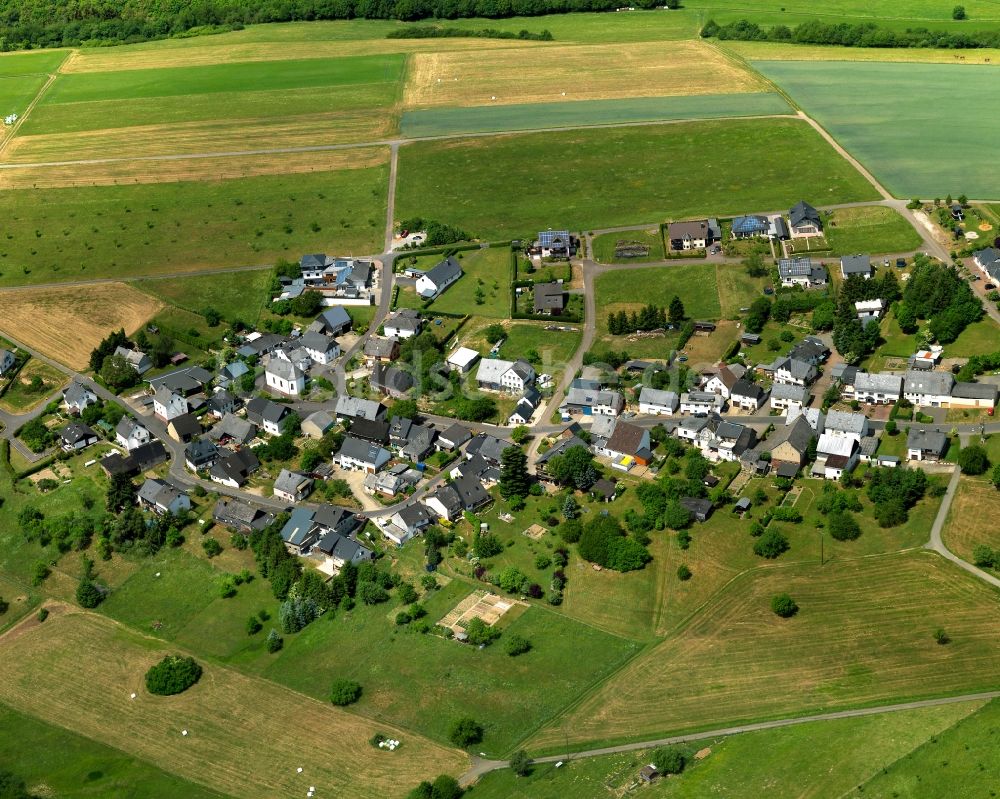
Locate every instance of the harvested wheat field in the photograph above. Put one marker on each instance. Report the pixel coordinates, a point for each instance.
(198, 137)
(246, 736)
(176, 170)
(588, 72)
(163, 56)
(67, 323)
(864, 634)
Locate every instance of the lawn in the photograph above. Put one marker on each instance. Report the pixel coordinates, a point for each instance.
(979, 338)
(869, 229)
(695, 284)
(737, 289)
(526, 116)
(620, 176)
(959, 761)
(126, 231)
(863, 635)
(78, 669)
(824, 758)
(975, 502)
(486, 270)
(909, 144)
(554, 347)
(56, 762)
(235, 295)
(604, 246)
(20, 397)
(574, 72)
(424, 682)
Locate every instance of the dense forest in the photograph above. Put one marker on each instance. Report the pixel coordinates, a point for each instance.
(28, 24)
(850, 35)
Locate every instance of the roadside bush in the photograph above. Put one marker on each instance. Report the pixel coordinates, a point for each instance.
(973, 460)
(345, 692)
(172, 675)
(465, 732)
(783, 605)
(983, 556)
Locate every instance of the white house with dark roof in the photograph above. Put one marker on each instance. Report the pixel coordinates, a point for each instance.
(930, 389)
(788, 397)
(804, 221)
(333, 321)
(593, 403)
(656, 402)
(860, 265)
(925, 445)
(162, 498)
(747, 396)
(358, 454)
(76, 436)
(351, 408)
(139, 361)
(794, 372)
(553, 244)
(404, 323)
(988, 261)
(500, 375)
(320, 348)
(168, 404)
(435, 280)
(843, 424)
(267, 415)
(692, 235)
(702, 402)
(292, 486)
(130, 434)
(802, 271)
(722, 382)
(76, 396)
(881, 388)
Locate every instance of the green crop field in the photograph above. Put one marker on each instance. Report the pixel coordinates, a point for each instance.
(909, 143)
(824, 758)
(55, 762)
(620, 177)
(871, 229)
(125, 231)
(438, 121)
(863, 635)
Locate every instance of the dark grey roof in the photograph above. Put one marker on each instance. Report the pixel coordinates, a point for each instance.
(261, 410)
(744, 388)
(389, 378)
(444, 271)
(363, 451)
(803, 212)
(334, 319)
(549, 296)
(338, 546)
(927, 440)
(186, 425)
(975, 391)
(489, 447)
(697, 505)
(471, 491)
(200, 451)
(456, 435)
(414, 515)
(75, 432)
(856, 265)
(371, 430)
(237, 466)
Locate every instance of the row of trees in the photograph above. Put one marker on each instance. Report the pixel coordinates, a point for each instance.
(437, 234)
(651, 317)
(847, 35)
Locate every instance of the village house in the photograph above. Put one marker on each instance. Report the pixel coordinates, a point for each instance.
(627, 446)
(702, 402)
(512, 377)
(407, 522)
(550, 298)
(788, 396)
(553, 244)
(240, 515)
(230, 373)
(185, 381)
(404, 323)
(488, 447)
(375, 431)
(339, 550)
(724, 379)
(835, 455)
(381, 350)
(693, 235)
(880, 388)
(162, 498)
(130, 434)
(790, 443)
(718, 439)
(988, 261)
(860, 265)
(7, 361)
(316, 424)
(292, 486)
(453, 438)
(200, 454)
(139, 361)
(843, 424)
(168, 404)
(268, 415)
(233, 469)
(76, 397)
(928, 389)
(76, 436)
(232, 429)
(925, 445)
(869, 310)
(747, 396)
(804, 221)
(350, 408)
(801, 271)
(320, 348)
(299, 532)
(435, 280)
(220, 403)
(656, 402)
(143, 458)
(792, 371)
(333, 321)
(593, 403)
(284, 378)
(390, 381)
(183, 428)
(973, 395)
(358, 454)
(811, 349)
(462, 360)
(451, 500)
(525, 408)
(750, 227)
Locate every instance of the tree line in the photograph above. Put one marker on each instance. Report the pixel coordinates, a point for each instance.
(847, 35)
(651, 317)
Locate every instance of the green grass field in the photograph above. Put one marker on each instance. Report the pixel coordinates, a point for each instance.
(439, 121)
(959, 761)
(424, 682)
(31, 63)
(695, 284)
(908, 144)
(620, 177)
(98, 100)
(873, 229)
(604, 246)
(236, 295)
(55, 762)
(488, 270)
(17, 92)
(555, 347)
(823, 758)
(863, 635)
(124, 231)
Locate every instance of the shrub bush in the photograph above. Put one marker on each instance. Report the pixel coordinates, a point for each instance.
(770, 544)
(345, 692)
(783, 605)
(465, 732)
(172, 675)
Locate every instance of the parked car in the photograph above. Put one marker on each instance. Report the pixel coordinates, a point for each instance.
(989, 287)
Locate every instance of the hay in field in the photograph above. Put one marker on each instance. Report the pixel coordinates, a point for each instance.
(246, 736)
(308, 130)
(67, 323)
(122, 173)
(582, 72)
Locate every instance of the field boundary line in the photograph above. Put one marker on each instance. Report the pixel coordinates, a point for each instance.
(739, 60)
